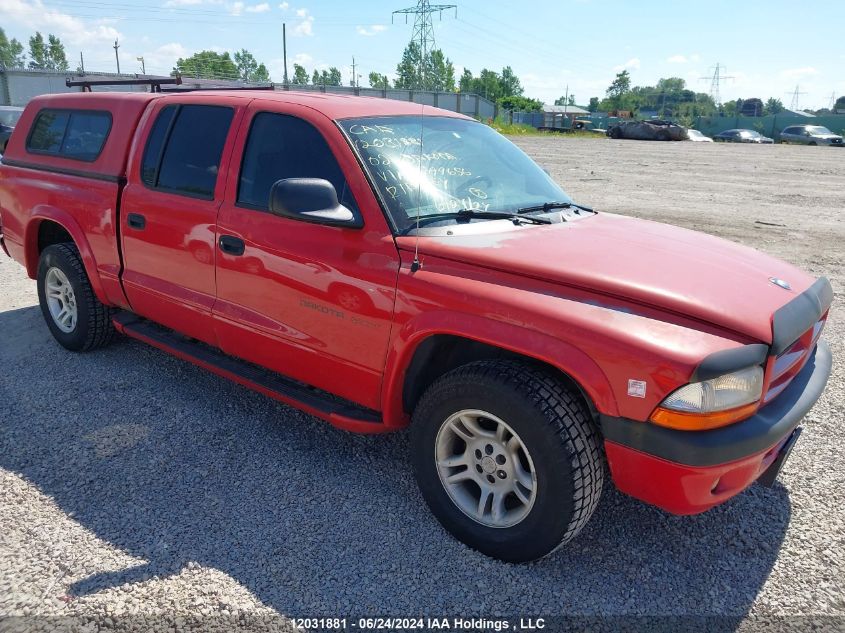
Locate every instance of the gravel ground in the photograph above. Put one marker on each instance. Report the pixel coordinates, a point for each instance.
(134, 484)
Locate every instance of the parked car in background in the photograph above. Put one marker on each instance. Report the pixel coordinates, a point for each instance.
(810, 135)
(9, 116)
(655, 130)
(698, 137)
(741, 136)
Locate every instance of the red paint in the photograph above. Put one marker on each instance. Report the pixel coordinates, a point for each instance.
(604, 300)
(682, 489)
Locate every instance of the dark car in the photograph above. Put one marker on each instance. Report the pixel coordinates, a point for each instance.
(9, 116)
(654, 130)
(741, 136)
(810, 135)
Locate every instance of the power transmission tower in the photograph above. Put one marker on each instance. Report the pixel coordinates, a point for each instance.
(423, 28)
(795, 94)
(716, 82)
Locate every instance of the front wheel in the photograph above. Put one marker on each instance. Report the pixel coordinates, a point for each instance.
(507, 458)
(75, 316)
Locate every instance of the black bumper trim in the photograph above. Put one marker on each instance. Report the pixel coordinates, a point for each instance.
(708, 448)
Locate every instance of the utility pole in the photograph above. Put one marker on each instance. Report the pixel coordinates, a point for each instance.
(424, 30)
(116, 58)
(82, 64)
(716, 82)
(143, 66)
(354, 76)
(285, 52)
(832, 101)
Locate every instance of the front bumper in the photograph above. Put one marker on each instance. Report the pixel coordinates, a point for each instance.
(687, 472)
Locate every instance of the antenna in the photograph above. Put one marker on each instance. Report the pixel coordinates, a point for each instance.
(795, 95)
(716, 82)
(416, 265)
(424, 30)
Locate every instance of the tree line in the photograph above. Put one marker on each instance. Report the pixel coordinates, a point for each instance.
(43, 54)
(670, 98)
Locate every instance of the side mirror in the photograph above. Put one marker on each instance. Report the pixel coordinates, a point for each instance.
(310, 200)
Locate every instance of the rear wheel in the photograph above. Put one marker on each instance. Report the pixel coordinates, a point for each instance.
(507, 458)
(75, 316)
(616, 133)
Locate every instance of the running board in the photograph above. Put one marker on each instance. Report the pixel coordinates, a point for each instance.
(341, 413)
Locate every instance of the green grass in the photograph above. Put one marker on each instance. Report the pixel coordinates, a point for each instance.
(515, 129)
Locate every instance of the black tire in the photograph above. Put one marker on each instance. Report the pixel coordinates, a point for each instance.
(94, 326)
(812, 143)
(615, 133)
(555, 427)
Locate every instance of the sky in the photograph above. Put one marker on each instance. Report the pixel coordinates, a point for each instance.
(766, 48)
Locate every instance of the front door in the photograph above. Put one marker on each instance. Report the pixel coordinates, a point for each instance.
(169, 214)
(310, 301)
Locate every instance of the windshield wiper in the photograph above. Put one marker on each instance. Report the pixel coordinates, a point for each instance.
(465, 215)
(548, 206)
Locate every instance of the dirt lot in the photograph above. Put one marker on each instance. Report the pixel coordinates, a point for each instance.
(133, 484)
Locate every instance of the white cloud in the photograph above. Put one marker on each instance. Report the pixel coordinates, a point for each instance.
(677, 59)
(798, 73)
(375, 29)
(303, 59)
(306, 26)
(695, 57)
(236, 8)
(284, 6)
(631, 64)
(71, 30)
(258, 8)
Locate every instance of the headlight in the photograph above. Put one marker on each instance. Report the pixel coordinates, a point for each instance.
(712, 403)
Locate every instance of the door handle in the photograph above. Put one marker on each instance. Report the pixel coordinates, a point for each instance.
(136, 221)
(231, 245)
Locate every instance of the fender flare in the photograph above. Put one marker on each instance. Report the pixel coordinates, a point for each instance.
(68, 223)
(557, 353)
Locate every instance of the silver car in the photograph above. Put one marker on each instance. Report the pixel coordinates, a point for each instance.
(810, 135)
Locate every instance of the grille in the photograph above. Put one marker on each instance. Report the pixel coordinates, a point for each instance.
(792, 361)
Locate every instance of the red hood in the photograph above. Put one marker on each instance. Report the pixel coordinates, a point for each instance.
(660, 265)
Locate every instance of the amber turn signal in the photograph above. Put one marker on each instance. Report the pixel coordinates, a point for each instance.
(685, 421)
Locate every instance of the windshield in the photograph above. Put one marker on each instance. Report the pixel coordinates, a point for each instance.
(750, 133)
(818, 129)
(10, 117)
(434, 165)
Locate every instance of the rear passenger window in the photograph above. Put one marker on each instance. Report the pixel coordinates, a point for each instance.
(282, 146)
(75, 134)
(184, 149)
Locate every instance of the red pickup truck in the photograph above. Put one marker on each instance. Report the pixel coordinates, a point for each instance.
(380, 264)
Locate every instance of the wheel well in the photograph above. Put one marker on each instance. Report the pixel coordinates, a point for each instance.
(442, 353)
(50, 233)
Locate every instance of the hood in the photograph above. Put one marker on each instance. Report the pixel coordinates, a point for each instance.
(667, 267)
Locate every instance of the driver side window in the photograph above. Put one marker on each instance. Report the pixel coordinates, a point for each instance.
(283, 146)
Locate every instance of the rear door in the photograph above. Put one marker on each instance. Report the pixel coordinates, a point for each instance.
(311, 301)
(169, 211)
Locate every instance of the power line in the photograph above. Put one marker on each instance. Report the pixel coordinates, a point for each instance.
(424, 29)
